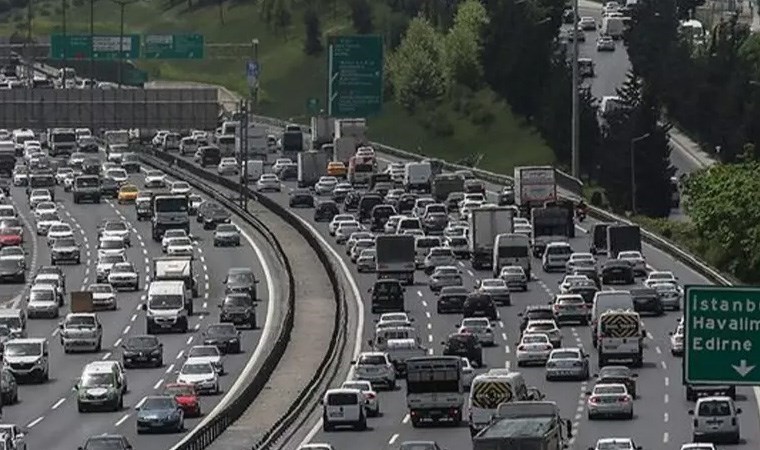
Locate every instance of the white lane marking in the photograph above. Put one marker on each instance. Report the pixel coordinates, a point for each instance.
(667, 381)
(429, 326)
(132, 319)
(190, 339)
(35, 422)
(198, 326)
(106, 356)
(666, 399)
(665, 417)
(179, 355)
(393, 439)
(158, 383)
(205, 305)
(501, 324)
(504, 336)
(126, 330)
(471, 273)
(55, 332)
(430, 338)
(117, 343)
(658, 350)
(419, 293)
(427, 314)
(59, 403)
(664, 366)
(506, 349)
(140, 403)
(124, 418)
(424, 303)
(405, 419)
(507, 364)
(170, 368)
(145, 251)
(665, 437)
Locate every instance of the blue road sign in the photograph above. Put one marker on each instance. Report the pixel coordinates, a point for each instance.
(252, 70)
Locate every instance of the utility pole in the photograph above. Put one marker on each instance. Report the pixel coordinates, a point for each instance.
(65, 55)
(29, 47)
(123, 5)
(255, 89)
(634, 141)
(243, 152)
(92, 38)
(575, 122)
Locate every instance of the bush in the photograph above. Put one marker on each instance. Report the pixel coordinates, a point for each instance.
(597, 199)
(19, 3)
(5, 6)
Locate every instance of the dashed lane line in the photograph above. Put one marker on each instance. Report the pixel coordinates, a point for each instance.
(158, 383)
(126, 329)
(106, 356)
(35, 422)
(170, 368)
(58, 403)
(180, 354)
(123, 418)
(393, 439)
(117, 343)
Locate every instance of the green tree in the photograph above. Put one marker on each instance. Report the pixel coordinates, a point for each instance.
(282, 16)
(463, 44)
(313, 43)
(417, 68)
(361, 16)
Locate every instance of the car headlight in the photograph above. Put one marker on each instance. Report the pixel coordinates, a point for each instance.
(155, 352)
(38, 362)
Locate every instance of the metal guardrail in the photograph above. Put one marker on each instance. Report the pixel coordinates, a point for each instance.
(205, 435)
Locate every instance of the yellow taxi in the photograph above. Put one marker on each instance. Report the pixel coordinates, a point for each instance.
(128, 193)
(336, 169)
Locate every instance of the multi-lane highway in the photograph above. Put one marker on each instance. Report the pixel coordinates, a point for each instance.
(49, 411)
(661, 418)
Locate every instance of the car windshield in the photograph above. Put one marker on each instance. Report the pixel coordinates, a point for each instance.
(493, 283)
(116, 226)
(101, 288)
(60, 229)
(226, 228)
(197, 369)
(111, 259)
(111, 244)
(180, 186)
(157, 403)
(96, 379)
(240, 278)
(205, 350)
(356, 385)
(123, 268)
(237, 300)
(223, 330)
(165, 301)
(11, 251)
(565, 355)
(181, 241)
(609, 389)
(21, 349)
(41, 295)
(65, 242)
(10, 323)
(613, 446)
(129, 188)
(80, 322)
(714, 408)
(371, 360)
(142, 342)
(535, 339)
(153, 173)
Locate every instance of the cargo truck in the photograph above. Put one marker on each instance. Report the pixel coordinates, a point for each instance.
(534, 186)
(523, 425)
(343, 149)
(485, 224)
(292, 143)
(355, 128)
(434, 390)
(445, 184)
(322, 129)
(177, 268)
(550, 224)
(257, 147)
(395, 257)
(169, 212)
(62, 141)
(621, 238)
(311, 166)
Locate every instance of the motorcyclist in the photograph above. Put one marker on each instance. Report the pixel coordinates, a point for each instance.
(581, 209)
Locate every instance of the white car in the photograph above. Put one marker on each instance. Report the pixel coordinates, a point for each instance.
(43, 302)
(579, 260)
(171, 234)
(587, 23)
(372, 400)
(103, 296)
(201, 375)
(105, 264)
(515, 277)
(63, 172)
(325, 185)
(111, 246)
(227, 166)
(118, 175)
(155, 178)
(698, 446)
(534, 348)
(391, 224)
(38, 196)
(468, 373)
(616, 444)
(59, 230)
(45, 208)
(180, 246)
(268, 182)
(117, 229)
(376, 368)
(637, 261)
(345, 229)
(333, 226)
(124, 275)
(400, 318)
(659, 277)
(571, 281)
(480, 327)
(547, 327)
(180, 187)
(207, 354)
(281, 163)
(13, 253)
(609, 400)
(677, 340)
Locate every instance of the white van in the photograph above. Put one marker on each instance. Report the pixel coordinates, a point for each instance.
(715, 418)
(166, 308)
(255, 169)
(511, 249)
(488, 391)
(608, 301)
(343, 407)
(418, 176)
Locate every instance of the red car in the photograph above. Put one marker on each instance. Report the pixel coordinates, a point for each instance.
(186, 397)
(11, 236)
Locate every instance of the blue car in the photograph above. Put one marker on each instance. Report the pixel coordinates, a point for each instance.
(160, 413)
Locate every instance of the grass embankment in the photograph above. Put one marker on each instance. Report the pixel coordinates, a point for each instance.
(289, 77)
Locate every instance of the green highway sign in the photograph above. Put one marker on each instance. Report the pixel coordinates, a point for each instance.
(355, 71)
(722, 335)
(99, 47)
(173, 46)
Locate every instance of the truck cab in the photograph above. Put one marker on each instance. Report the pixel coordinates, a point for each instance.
(166, 307)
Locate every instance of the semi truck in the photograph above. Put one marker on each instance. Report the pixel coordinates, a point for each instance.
(169, 212)
(395, 257)
(523, 425)
(549, 224)
(446, 183)
(621, 238)
(311, 166)
(434, 390)
(322, 129)
(534, 186)
(485, 224)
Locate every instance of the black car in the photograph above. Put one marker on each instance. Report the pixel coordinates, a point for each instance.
(289, 172)
(367, 203)
(589, 272)
(109, 188)
(351, 202)
(142, 350)
(506, 196)
(241, 280)
(106, 442)
(210, 214)
(474, 187)
(130, 162)
(464, 345)
(12, 271)
(587, 292)
(480, 305)
(618, 375)
(301, 197)
(5, 185)
(617, 271)
(453, 201)
(91, 166)
(65, 250)
(380, 215)
(387, 296)
(647, 300)
(225, 336)
(451, 299)
(535, 312)
(238, 309)
(406, 203)
(325, 211)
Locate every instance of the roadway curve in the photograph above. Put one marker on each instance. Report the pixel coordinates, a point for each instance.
(49, 410)
(661, 419)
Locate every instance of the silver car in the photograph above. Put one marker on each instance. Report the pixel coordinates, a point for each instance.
(366, 262)
(547, 327)
(515, 277)
(579, 260)
(376, 368)
(360, 246)
(534, 348)
(567, 363)
(345, 229)
(609, 400)
(497, 289)
(445, 276)
(670, 295)
(480, 327)
(437, 257)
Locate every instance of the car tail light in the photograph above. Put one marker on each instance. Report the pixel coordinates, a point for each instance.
(453, 412)
(593, 400)
(465, 331)
(370, 396)
(521, 347)
(696, 423)
(556, 308)
(548, 347)
(623, 399)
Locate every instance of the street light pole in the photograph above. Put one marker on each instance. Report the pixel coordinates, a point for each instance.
(63, 23)
(575, 121)
(92, 38)
(634, 141)
(29, 46)
(123, 5)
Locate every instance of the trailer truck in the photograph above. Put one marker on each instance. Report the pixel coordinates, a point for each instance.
(485, 224)
(534, 186)
(311, 166)
(395, 257)
(621, 238)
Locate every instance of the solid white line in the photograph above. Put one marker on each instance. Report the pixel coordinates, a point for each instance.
(35, 422)
(59, 403)
(124, 418)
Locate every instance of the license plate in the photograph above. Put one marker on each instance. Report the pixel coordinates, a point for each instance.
(336, 414)
(165, 325)
(142, 358)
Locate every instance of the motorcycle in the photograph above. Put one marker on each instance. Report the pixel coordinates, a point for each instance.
(580, 214)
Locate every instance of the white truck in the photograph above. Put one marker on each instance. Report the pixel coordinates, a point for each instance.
(485, 224)
(62, 141)
(355, 128)
(418, 176)
(534, 186)
(257, 146)
(395, 257)
(434, 389)
(343, 149)
(311, 165)
(166, 307)
(619, 337)
(613, 27)
(511, 249)
(322, 129)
